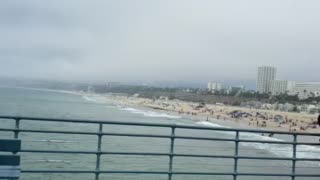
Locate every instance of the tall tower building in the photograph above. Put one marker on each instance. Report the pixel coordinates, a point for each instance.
(266, 74)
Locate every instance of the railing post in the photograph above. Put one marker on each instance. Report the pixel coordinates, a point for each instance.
(236, 153)
(16, 136)
(99, 151)
(17, 128)
(294, 155)
(171, 152)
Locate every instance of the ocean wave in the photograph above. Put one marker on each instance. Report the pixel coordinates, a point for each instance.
(149, 113)
(205, 123)
(281, 150)
(95, 99)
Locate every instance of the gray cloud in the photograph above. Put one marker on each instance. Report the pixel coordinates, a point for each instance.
(159, 40)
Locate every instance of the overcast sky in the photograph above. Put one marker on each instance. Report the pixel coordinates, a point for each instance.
(162, 40)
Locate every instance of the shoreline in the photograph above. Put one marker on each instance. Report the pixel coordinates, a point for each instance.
(292, 122)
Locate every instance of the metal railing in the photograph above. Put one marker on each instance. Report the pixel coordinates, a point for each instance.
(100, 133)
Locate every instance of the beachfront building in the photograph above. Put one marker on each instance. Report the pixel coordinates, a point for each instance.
(265, 75)
(214, 86)
(307, 86)
(90, 89)
(281, 86)
(236, 90)
(307, 89)
(209, 86)
(113, 84)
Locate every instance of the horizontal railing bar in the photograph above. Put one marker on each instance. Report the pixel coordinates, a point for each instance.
(57, 151)
(49, 131)
(278, 158)
(93, 171)
(166, 172)
(158, 136)
(167, 154)
(156, 125)
(246, 174)
(88, 121)
(86, 133)
(246, 140)
(94, 152)
(247, 157)
(137, 135)
(209, 165)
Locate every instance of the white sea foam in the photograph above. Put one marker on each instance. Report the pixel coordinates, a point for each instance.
(95, 99)
(205, 123)
(149, 113)
(281, 150)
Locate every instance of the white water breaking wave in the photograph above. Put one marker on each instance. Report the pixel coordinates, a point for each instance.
(281, 150)
(205, 123)
(149, 113)
(95, 99)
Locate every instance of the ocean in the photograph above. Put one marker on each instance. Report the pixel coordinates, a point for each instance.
(53, 104)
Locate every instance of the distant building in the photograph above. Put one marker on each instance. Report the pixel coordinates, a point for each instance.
(217, 86)
(90, 89)
(113, 84)
(209, 87)
(307, 89)
(265, 75)
(188, 90)
(281, 86)
(237, 88)
(214, 86)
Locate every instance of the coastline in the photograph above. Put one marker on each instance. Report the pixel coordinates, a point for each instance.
(219, 114)
(295, 122)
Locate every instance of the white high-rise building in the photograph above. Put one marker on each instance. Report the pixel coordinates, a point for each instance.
(281, 86)
(214, 86)
(265, 75)
(209, 86)
(217, 86)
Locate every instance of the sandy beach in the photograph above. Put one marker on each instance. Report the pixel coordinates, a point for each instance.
(239, 116)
